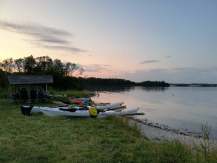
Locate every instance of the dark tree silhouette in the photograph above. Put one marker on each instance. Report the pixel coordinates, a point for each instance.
(63, 74)
(19, 63)
(29, 64)
(7, 65)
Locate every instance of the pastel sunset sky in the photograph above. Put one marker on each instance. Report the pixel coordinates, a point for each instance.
(171, 40)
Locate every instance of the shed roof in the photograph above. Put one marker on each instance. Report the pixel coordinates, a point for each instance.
(30, 79)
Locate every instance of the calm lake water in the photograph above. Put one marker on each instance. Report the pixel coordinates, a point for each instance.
(177, 107)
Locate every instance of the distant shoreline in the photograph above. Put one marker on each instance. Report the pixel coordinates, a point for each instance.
(193, 85)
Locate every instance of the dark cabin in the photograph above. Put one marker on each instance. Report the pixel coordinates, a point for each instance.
(29, 86)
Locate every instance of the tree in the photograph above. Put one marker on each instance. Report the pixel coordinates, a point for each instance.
(1, 66)
(8, 65)
(58, 67)
(44, 64)
(3, 79)
(19, 64)
(29, 64)
(69, 68)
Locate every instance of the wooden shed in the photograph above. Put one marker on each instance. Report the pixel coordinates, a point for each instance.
(29, 86)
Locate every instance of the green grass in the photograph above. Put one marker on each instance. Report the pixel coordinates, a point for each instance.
(3, 93)
(63, 95)
(71, 93)
(44, 139)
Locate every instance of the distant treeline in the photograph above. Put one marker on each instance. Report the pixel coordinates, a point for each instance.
(194, 85)
(153, 84)
(63, 74)
(102, 84)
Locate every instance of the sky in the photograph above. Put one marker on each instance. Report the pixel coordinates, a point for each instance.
(170, 40)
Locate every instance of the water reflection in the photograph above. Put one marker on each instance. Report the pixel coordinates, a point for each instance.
(150, 89)
(177, 107)
(126, 89)
(111, 89)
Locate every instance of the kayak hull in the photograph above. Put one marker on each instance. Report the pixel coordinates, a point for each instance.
(109, 106)
(114, 106)
(84, 113)
(57, 112)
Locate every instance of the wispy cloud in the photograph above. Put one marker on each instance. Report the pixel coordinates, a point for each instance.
(64, 48)
(149, 61)
(96, 68)
(46, 37)
(99, 70)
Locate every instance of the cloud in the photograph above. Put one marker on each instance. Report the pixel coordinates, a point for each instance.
(149, 61)
(46, 37)
(65, 48)
(154, 60)
(96, 68)
(195, 69)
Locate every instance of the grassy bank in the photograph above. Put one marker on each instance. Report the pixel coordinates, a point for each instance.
(43, 139)
(71, 93)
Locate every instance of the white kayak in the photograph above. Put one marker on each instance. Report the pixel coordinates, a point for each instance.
(57, 112)
(120, 113)
(38, 109)
(114, 106)
(85, 113)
